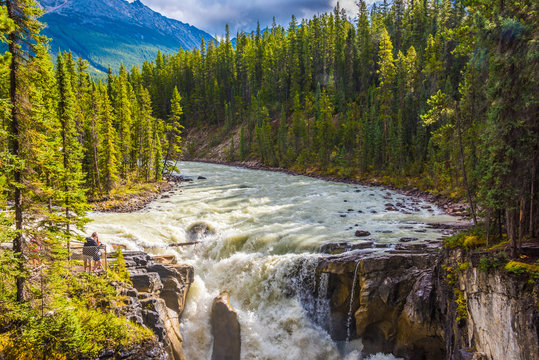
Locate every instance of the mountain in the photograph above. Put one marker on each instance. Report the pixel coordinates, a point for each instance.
(111, 31)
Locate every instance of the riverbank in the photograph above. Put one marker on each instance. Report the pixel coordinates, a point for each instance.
(454, 207)
(134, 197)
(390, 291)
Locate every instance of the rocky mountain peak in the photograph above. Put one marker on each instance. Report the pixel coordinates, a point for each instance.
(112, 31)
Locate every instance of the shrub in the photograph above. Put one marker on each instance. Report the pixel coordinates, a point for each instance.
(492, 262)
(520, 268)
(470, 239)
(120, 268)
(462, 307)
(67, 315)
(451, 278)
(464, 266)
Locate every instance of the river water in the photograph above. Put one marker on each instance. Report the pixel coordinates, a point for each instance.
(268, 228)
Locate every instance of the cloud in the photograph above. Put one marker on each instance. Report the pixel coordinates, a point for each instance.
(213, 15)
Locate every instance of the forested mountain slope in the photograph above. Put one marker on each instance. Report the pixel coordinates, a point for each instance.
(107, 32)
(440, 91)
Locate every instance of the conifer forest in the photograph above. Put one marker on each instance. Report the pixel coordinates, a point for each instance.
(435, 94)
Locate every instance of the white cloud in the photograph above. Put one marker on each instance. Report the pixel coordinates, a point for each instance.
(213, 15)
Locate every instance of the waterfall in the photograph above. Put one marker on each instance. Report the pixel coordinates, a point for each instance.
(349, 318)
(322, 302)
(266, 232)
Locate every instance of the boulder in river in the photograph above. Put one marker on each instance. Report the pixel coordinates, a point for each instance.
(407, 239)
(340, 247)
(362, 233)
(225, 328)
(198, 231)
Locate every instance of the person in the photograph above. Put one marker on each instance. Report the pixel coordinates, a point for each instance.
(35, 250)
(97, 254)
(90, 251)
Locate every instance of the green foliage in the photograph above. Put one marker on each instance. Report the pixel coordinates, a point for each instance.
(462, 306)
(463, 266)
(60, 133)
(471, 239)
(120, 268)
(451, 277)
(520, 268)
(486, 263)
(70, 315)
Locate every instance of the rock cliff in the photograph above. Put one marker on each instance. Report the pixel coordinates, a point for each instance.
(403, 302)
(225, 329)
(157, 298)
(500, 311)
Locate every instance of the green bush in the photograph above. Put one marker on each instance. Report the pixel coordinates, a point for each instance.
(487, 263)
(470, 239)
(67, 315)
(462, 307)
(519, 268)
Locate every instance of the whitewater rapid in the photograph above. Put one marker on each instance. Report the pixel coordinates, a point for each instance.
(268, 230)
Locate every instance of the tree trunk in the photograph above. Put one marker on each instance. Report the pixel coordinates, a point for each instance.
(500, 225)
(532, 194)
(168, 154)
(521, 221)
(16, 117)
(96, 166)
(510, 227)
(68, 234)
(487, 222)
(464, 177)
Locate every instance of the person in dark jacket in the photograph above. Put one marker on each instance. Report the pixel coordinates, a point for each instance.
(91, 251)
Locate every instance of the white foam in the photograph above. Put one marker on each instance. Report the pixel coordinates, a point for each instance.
(263, 253)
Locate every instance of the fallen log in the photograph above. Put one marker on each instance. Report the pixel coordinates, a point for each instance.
(184, 243)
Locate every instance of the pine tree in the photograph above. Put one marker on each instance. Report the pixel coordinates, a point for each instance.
(385, 89)
(243, 147)
(146, 143)
(25, 34)
(174, 128)
(281, 137)
(123, 120)
(71, 196)
(108, 161)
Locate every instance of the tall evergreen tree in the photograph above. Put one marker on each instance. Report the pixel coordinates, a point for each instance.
(174, 128)
(24, 37)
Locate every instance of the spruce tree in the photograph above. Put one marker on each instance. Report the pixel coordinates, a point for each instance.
(71, 196)
(24, 37)
(108, 155)
(173, 129)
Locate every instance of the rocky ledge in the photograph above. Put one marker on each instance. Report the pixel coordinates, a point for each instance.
(156, 300)
(139, 199)
(405, 303)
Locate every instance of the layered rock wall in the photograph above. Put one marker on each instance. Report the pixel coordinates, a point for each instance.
(502, 320)
(157, 298)
(405, 303)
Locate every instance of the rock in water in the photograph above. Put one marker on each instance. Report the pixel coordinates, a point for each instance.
(361, 233)
(225, 329)
(198, 231)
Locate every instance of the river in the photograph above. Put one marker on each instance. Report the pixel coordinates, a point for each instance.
(268, 227)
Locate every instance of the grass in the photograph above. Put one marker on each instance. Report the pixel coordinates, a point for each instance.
(471, 239)
(520, 268)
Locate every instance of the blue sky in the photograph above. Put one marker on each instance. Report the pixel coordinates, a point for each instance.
(213, 15)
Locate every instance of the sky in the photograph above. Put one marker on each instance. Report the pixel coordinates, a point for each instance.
(212, 15)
